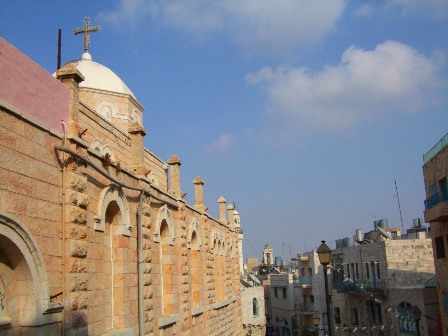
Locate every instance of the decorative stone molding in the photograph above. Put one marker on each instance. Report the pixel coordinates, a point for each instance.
(107, 109)
(220, 239)
(194, 227)
(109, 194)
(197, 311)
(168, 320)
(222, 304)
(164, 215)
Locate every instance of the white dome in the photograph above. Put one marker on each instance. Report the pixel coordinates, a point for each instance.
(97, 76)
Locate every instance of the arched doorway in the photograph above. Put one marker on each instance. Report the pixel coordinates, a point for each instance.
(24, 294)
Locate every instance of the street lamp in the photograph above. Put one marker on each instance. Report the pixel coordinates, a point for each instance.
(324, 254)
(316, 321)
(417, 315)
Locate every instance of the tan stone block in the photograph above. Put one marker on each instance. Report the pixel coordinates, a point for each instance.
(78, 248)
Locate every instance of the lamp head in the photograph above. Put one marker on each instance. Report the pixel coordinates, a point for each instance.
(316, 319)
(324, 254)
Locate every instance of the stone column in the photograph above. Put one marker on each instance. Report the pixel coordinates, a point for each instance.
(71, 77)
(174, 163)
(199, 194)
(137, 133)
(230, 210)
(222, 210)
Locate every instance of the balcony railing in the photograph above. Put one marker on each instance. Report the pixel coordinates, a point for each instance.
(359, 286)
(441, 196)
(303, 281)
(307, 308)
(437, 148)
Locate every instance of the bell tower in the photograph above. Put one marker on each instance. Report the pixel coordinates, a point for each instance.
(267, 255)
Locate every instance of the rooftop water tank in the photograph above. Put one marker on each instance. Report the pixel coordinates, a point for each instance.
(278, 261)
(383, 223)
(417, 222)
(349, 242)
(359, 235)
(339, 243)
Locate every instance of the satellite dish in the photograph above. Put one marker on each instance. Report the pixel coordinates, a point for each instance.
(383, 233)
(254, 279)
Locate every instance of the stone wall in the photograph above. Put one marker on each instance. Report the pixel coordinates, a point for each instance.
(404, 266)
(256, 323)
(78, 221)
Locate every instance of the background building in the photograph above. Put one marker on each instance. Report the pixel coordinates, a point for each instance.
(435, 172)
(378, 280)
(310, 293)
(253, 306)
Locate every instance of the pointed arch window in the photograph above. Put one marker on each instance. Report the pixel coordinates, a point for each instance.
(164, 235)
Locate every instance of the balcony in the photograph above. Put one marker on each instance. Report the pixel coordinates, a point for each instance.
(359, 286)
(306, 308)
(303, 281)
(304, 258)
(436, 207)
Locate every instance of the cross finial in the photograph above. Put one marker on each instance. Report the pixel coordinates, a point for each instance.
(86, 30)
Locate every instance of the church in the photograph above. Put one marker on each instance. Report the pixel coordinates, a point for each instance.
(95, 235)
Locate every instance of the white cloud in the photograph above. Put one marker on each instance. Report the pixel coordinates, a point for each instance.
(436, 8)
(389, 79)
(224, 143)
(364, 10)
(256, 25)
(128, 11)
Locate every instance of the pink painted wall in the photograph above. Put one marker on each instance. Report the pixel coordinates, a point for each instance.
(28, 87)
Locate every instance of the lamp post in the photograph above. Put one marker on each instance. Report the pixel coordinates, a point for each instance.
(316, 321)
(324, 254)
(417, 315)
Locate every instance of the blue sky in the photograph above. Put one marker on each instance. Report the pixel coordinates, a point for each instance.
(302, 112)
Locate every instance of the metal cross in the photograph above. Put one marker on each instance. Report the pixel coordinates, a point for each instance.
(86, 30)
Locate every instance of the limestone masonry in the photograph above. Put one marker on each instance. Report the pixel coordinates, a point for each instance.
(95, 235)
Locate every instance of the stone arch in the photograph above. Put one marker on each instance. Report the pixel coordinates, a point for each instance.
(108, 150)
(153, 179)
(108, 195)
(97, 145)
(218, 242)
(21, 259)
(194, 228)
(107, 109)
(164, 216)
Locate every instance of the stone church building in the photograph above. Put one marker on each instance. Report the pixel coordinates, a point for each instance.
(95, 235)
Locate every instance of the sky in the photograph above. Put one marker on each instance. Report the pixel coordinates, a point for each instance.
(303, 113)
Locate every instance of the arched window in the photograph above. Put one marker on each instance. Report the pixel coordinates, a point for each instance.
(337, 315)
(168, 267)
(106, 112)
(195, 270)
(113, 261)
(219, 252)
(255, 310)
(405, 319)
(164, 235)
(217, 270)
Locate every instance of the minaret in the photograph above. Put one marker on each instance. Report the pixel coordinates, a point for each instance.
(268, 257)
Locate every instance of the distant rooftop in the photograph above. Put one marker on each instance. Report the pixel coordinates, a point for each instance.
(437, 148)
